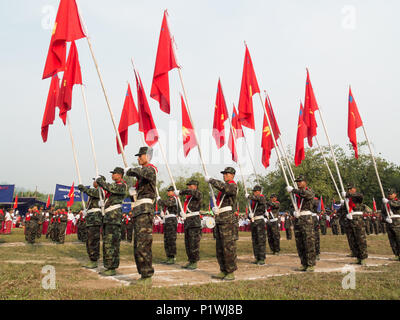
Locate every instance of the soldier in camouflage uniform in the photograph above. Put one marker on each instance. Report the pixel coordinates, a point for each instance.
(94, 221)
(273, 232)
(123, 227)
(288, 226)
(129, 227)
(258, 206)
(115, 194)
(355, 229)
(322, 223)
(171, 210)
(62, 226)
(366, 222)
(55, 224)
(334, 222)
(40, 223)
(32, 217)
(143, 211)
(192, 225)
(315, 219)
(225, 231)
(375, 223)
(303, 224)
(82, 228)
(391, 214)
(50, 225)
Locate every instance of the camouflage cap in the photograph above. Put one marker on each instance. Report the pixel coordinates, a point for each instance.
(144, 150)
(229, 170)
(118, 170)
(257, 188)
(192, 183)
(171, 188)
(350, 186)
(391, 191)
(274, 195)
(300, 178)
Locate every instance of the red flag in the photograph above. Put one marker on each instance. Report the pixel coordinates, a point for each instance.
(310, 106)
(129, 116)
(374, 205)
(353, 123)
(50, 111)
(16, 202)
(271, 115)
(238, 132)
(189, 138)
(72, 76)
(48, 202)
(220, 116)
(267, 144)
(248, 89)
(146, 122)
(71, 196)
(165, 62)
(68, 27)
(301, 135)
(322, 204)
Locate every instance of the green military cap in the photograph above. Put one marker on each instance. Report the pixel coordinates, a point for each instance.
(300, 178)
(274, 195)
(257, 188)
(144, 150)
(350, 186)
(171, 188)
(192, 183)
(391, 191)
(118, 170)
(229, 170)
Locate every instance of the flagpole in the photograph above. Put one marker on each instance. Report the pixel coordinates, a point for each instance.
(277, 153)
(194, 131)
(75, 159)
(251, 158)
(92, 143)
(333, 156)
(374, 162)
(329, 169)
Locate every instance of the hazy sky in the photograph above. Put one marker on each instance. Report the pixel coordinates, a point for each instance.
(341, 42)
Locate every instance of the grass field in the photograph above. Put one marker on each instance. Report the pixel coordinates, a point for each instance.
(21, 277)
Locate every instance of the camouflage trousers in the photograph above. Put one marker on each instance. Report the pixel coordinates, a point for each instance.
(274, 236)
(170, 229)
(129, 232)
(54, 232)
(93, 242)
(31, 232)
(376, 227)
(258, 238)
(366, 227)
(225, 235)
(322, 226)
(192, 243)
(111, 243)
(355, 231)
(316, 235)
(370, 227)
(39, 230)
(342, 227)
(142, 243)
(288, 231)
(123, 231)
(82, 233)
(382, 227)
(61, 232)
(393, 231)
(305, 242)
(335, 228)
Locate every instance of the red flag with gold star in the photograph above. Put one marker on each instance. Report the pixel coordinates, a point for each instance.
(189, 138)
(354, 123)
(267, 144)
(301, 135)
(310, 106)
(249, 87)
(220, 116)
(50, 111)
(71, 196)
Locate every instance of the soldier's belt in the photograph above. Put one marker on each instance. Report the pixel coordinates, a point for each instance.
(305, 213)
(314, 214)
(142, 201)
(258, 218)
(114, 207)
(357, 213)
(394, 216)
(94, 210)
(169, 216)
(273, 220)
(192, 214)
(224, 209)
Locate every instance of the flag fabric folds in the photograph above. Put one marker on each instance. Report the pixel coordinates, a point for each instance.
(274, 123)
(68, 27)
(248, 88)
(374, 205)
(71, 196)
(129, 116)
(165, 61)
(354, 123)
(189, 138)
(72, 76)
(267, 144)
(48, 202)
(310, 106)
(301, 135)
(237, 131)
(146, 122)
(50, 111)
(220, 116)
(15, 206)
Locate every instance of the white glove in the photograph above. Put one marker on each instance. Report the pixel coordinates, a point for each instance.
(349, 216)
(251, 215)
(214, 209)
(289, 189)
(84, 213)
(342, 202)
(247, 195)
(127, 169)
(344, 194)
(158, 198)
(296, 215)
(177, 192)
(207, 178)
(388, 220)
(385, 201)
(101, 203)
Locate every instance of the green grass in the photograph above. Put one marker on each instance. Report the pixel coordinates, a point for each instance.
(23, 280)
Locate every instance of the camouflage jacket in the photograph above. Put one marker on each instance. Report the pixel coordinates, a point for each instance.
(171, 204)
(194, 199)
(304, 198)
(116, 193)
(394, 206)
(227, 191)
(258, 204)
(273, 209)
(64, 217)
(145, 187)
(93, 218)
(356, 202)
(288, 222)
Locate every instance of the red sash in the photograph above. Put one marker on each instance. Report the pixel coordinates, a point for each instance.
(220, 193)
(351, 205)
(185, 205)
